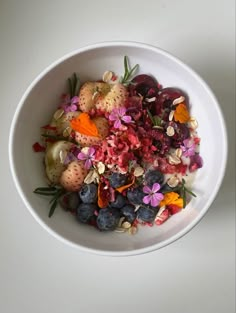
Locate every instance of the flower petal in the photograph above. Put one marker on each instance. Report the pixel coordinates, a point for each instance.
(117, 124)
(126, 118)
(155, 187)
(121, 111)
(147, 189)
(146, 199)
(91, 151)
(88, 164)
(82, 156)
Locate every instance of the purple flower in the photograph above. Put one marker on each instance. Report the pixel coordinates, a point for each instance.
(154, 197)
(87, 155)
(118, 115)
(188, 148)
(196, 162)
(69, 105)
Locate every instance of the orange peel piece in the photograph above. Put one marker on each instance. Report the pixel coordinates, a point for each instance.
(84, 125)
(181, 113)
(172, 198)
(102, 200)
(122, 188)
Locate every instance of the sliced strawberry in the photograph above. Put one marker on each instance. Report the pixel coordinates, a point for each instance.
(162, 217)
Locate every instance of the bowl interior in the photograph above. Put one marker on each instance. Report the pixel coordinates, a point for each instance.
(41, 100)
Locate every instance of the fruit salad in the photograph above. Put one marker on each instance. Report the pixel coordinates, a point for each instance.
(119, 151)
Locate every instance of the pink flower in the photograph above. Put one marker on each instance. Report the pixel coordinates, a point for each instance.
(188, 148)
(118, 115)
(153, 197)
(87, 156)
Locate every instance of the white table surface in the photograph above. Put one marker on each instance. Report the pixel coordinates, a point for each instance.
(38, 273)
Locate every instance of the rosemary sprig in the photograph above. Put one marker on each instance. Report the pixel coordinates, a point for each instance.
(129, 72)
(156, 120)
(183, 192)
(74, 85)
(54, 192)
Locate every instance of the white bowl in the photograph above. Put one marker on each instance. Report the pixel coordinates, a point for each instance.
(40, 101)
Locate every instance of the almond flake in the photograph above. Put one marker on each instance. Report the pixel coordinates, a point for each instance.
(119, 230)
(126, 225)
(62, 156)
(132, 230)
(67, 131)
(178, 100)
(58, 114)
(173, 181)
(173, 159)
(170, 131)
(150, 99)
(121, 221)
(107, 76)
(193, 123)
(101, 167)
(91, 177)
(171, 115)
(138, 171)
(95, 95)
(178, 152)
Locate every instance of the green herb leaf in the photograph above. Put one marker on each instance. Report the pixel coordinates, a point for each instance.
(52, 208)
(125, 80)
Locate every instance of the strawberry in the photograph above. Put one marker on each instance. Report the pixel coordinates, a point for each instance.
(173, 209)
(86, 141)
(53, 159)
(162, 217)
(89, 92)
(72, 178)
(115, 98)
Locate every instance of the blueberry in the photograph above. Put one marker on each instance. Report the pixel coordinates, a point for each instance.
(136, 195)
(147, 213)
(117, 180)
(119, 202)
(89, 193)
(85, 212)
(128, 212)
(108, 218)
(154, 176)
(70, 201)
(166, 188)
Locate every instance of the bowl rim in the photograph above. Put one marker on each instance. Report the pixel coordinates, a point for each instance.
(104, 44)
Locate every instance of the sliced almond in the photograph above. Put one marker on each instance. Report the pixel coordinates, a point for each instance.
(132, 230)
(178, 100)
(173, 181)
(170, 131)
(193, 123)
(58, 114)
(67, 131)
(150, 99)
(62, 156)
(107, 76)
(138, 171)
(91, 177)
(120, 230)
(178, 152)
(173, 159)
(101, 167)
(95, 95)
(171, 115)
(126, 225)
